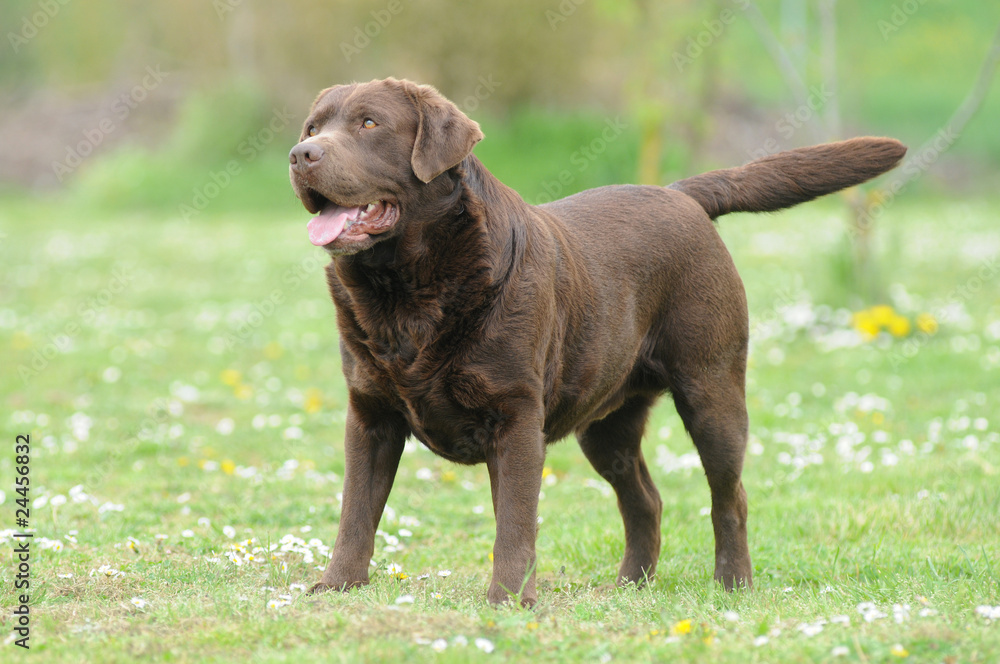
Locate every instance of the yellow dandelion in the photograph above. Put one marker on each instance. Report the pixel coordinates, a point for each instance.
(448, 476)
(183, 461)
(243, 391)
(273, 350)
(899, 651)
(927, 324)
(878, 418)
(546, 472)
(490, 556)
(681, 628)
(652, 633)
(531, 625)
(228, 467)
(882, 314)
(402, 575)
(230, 377)
(899, 326)
(865, 323)
(313, 401)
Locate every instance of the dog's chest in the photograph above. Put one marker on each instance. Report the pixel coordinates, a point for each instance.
(416, 348)
(449, 409)
(458, 435)
(456, 431)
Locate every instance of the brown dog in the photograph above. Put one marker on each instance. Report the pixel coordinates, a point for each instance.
(488, 328)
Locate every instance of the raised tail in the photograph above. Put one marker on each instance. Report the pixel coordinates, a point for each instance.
(788, 178)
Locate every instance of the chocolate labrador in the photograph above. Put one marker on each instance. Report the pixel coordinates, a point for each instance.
(488, 328)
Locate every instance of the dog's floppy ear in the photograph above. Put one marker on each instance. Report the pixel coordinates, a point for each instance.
(445, 135)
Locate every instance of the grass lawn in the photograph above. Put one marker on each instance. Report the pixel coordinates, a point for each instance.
(181, 385)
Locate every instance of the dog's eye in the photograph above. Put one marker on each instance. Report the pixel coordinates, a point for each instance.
(369, 123)
(312, 130)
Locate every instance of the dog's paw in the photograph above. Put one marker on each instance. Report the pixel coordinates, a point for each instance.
(324, 586)
(638, 578)
(735, 581)
(498, 599)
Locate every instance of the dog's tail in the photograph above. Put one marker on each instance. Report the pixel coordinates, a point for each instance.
(788, 178)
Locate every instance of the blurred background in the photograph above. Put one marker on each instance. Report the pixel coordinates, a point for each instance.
(184, 112)
(124, 105)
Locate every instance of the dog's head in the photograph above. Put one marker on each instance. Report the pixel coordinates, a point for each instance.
(365, 152)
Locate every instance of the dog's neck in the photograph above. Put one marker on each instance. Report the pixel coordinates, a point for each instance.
(463, 211)
(458, 255)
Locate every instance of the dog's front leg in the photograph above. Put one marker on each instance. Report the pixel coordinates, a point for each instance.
(515, 461)
(373, 443)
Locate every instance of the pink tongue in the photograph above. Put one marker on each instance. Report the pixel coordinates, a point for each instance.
(328, 224)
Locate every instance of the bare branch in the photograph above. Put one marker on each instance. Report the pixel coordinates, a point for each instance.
(781, 58)
(828, 64)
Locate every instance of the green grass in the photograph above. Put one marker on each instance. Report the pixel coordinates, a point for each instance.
(130, 408)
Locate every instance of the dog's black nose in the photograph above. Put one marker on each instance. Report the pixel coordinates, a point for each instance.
(305, 155)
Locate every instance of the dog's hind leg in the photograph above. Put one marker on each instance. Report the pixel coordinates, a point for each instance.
(612, 445)
(712, 403)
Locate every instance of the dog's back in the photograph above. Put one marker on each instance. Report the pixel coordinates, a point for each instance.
(662, 298)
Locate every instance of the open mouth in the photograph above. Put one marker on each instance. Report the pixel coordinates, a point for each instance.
(351, 223)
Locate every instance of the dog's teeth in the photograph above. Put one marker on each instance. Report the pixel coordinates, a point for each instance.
(371, 206)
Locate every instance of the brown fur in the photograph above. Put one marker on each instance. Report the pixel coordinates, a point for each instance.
(488, 328)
